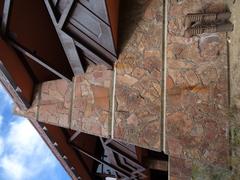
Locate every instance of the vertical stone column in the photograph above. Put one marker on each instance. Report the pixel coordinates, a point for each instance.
(197, 122)
(82, 105)
(139, 75)
(91, 108)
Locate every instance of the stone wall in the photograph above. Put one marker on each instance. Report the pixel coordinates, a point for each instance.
(91, 107)
(197, 122)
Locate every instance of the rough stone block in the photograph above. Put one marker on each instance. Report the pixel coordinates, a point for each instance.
(55, 103)
(91, 101)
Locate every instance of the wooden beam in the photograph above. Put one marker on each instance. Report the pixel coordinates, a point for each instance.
(94, 58)
(50, 12)
(6, 10)
(74, 136)
(52, 147)
(55, 2)
(71, 52)
(37, 60)
(56, 134)
(67, 43)
(65, 14)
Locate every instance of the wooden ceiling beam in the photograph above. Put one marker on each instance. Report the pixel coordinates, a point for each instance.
(67, 42)
(65, 14)
(37, 60)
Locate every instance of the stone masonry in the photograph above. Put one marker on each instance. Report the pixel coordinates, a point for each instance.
(139, 76)
(82, 105)
(197, 122)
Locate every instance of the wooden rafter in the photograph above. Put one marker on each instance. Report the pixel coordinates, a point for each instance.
(37, 60)
(74, 136)
(65, 14)
(66, 41)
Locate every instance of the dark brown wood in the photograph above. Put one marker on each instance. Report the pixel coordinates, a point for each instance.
(17, 73)
(123, 155)
(93, 27)
(74, 136)
(52, 146)
(89, 54)
(66, 41)
(65, 14)
(37, 60)
(113, 11)
(71, 52)
(98, 7)
(56, 134)
(82, 38)
(31, 27)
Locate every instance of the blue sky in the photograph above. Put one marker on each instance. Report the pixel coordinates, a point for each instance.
(23, 154)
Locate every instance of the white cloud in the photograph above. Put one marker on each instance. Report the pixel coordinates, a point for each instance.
(25, 154)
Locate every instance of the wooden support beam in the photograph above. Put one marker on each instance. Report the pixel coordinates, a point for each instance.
(74, 136)
(94, 58)
(56, 134)
(66, 41)
(65, 14)
(50, 12)
(52, 147)
(37, 60)
(71, 52)
(6, 10)
(55, 2)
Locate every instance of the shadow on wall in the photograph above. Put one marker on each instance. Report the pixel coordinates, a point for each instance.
(131, 12)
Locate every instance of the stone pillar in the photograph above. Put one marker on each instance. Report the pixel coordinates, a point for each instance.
(82, 105)
(139, 75)
(91, 107)
(197, 121)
